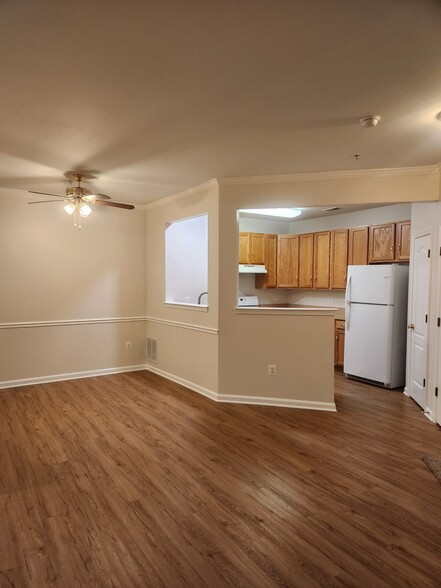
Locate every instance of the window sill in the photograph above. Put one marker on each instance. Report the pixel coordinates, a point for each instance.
(188, 306)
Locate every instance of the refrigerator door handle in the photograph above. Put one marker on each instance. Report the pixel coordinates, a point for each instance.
(348, 288)
(348, 304)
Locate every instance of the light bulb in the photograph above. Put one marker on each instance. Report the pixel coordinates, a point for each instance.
(70, 208)
(85, 210)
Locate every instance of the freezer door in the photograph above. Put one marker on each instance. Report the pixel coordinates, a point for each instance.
(368, 342)
(372, 284)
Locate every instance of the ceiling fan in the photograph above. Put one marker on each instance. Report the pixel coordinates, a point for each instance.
(78, 200)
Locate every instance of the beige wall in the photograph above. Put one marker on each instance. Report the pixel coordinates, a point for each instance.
(52, 273)
(370, 216)
(393, 186)
(187, 342)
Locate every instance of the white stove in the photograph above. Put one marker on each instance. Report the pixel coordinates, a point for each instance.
(247, 301)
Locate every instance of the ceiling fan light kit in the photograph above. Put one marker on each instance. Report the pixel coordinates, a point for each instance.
(370, 121)
(78, 200)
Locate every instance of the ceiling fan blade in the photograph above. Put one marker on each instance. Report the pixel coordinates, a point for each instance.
(115, 204)
(46, 194)
(93, 196)
(43, 201)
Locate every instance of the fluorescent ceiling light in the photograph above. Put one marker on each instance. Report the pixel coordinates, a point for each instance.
(279, 212)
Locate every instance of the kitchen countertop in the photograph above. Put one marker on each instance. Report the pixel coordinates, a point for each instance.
(339, 312)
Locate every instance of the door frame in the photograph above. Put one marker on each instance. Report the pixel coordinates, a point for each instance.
(436, 417)
(428, 231)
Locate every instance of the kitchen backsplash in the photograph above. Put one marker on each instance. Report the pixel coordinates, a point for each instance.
(318, 297)
(280, 296)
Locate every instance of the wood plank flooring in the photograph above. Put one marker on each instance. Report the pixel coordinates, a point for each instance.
(131, 480)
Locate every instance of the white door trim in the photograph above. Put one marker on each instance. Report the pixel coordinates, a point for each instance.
(426, 232)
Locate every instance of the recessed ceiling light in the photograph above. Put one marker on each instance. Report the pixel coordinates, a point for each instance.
(278, 212)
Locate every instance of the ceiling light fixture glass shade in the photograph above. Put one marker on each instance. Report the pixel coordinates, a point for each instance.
(278, 212)
(70, 208)
(85, 210)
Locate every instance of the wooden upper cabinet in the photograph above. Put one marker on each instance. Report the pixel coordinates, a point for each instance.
(244, 247)
(306, 260)
(382, 243)
(257, 248)
(402, 241)
(251, 248)
(339, 258)
(322, 251)
(358, 252)
(269, 280)
(288, 261)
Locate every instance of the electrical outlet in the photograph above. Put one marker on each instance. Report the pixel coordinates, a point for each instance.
(128, 345)
(272, 370)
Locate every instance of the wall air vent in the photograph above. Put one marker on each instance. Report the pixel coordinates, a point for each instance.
(151, 349)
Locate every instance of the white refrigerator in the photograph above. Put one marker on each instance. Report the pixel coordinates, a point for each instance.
(376, 324)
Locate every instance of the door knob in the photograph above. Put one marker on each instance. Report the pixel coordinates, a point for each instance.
(411, 326)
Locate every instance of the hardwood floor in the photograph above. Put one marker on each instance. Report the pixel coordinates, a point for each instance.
(131, 480)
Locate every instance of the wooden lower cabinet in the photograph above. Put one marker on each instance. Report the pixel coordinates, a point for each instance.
(339, 345)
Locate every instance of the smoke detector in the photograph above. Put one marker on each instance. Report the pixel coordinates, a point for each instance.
(370, 121)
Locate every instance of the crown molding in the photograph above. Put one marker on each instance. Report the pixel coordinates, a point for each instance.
(332, 175)
(213, 183)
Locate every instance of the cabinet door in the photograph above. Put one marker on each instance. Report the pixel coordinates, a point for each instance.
(244, 247)
(322, 253)
(382, 243)
(339, 348)
(402, 241)
(269, 280)
(306, 260)
(257, 248)
(288, 261)
(358, 246)
(339, 258)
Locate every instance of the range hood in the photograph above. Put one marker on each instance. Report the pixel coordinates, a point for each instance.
(251, 268)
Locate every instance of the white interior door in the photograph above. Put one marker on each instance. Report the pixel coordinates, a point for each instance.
(419, 309)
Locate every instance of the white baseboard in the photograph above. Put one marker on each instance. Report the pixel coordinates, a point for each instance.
(195, 387)
(281, 402)
(72, 376)
(227, 398)
(236, 399)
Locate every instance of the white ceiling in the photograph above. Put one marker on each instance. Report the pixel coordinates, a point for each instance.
(153, 97)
